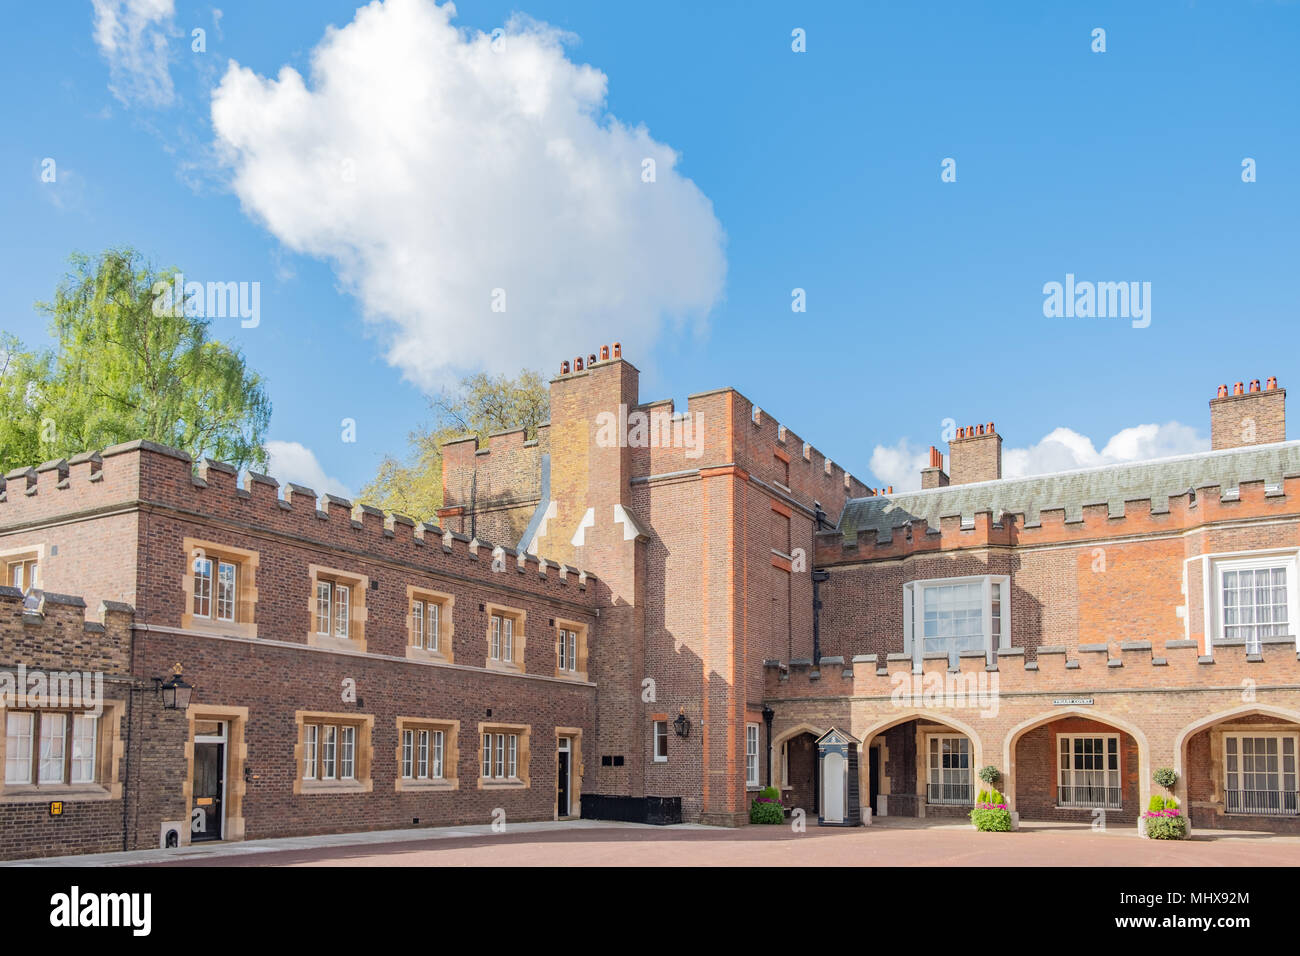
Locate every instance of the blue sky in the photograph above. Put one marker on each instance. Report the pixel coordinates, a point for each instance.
(817, 170)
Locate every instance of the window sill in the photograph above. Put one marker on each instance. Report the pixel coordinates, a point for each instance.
(404, 785)
(424, 654)
(577, 676)
(28, 793)
(334, 786)
(494, 783)
(329, 642)
(205, 626)
(505, 667)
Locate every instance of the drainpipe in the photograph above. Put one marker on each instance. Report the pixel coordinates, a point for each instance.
(768, 714)
(818, 578)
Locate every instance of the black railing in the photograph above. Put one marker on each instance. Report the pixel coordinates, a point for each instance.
(1262, 802)
(1088, 796)
(958, 793)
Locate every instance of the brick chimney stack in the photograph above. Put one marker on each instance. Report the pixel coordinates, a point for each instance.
(934, 476)
(1251, 416)
(975, 455)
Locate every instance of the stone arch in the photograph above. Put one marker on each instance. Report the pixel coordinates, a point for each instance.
(904, 716)
(779, 741)
(1019, 730)
(1202, 723)
(1184, 738)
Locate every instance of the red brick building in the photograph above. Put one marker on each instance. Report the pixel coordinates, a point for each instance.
(644, 613)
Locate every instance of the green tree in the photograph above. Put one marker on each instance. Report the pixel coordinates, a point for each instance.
(479, 405)
(122, 369)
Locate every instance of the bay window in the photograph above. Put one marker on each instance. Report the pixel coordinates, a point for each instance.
(956, 615)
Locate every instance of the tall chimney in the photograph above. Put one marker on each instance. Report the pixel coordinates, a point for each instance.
(975, 455)
(1246, 417)
(934, 476)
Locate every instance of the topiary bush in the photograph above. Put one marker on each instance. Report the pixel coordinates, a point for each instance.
(990, 775)
(1165, 777)
(766, 807)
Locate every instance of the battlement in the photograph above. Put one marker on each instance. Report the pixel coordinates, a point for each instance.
(51, 631)
(147, 474)
(1116, 665)
(907, 534)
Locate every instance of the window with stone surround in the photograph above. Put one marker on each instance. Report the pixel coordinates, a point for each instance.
(60, 751)
(570, 649)
(503, 755)
(334, 752)
(220, 585)
(427, 753)
(429, 624)
(505, 637)
(337, 608)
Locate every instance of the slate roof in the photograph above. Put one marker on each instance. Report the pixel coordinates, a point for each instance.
(1111, 485)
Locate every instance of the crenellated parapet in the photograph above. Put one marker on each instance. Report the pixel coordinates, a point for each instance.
(902, 533)
(1102, 667)
(147, 475)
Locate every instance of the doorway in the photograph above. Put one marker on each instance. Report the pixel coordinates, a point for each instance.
(207, 813)
(873, 784)
(565, 750)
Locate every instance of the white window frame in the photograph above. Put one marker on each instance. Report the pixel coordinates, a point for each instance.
(659, 732)
(1234, 766)
(751, 755)
(913, 613)
(1212, 577)
(311, 750)
(408, 754)
(63, 751)
(496, 636)
(1106, 738)
(935, 770)
(324, 607)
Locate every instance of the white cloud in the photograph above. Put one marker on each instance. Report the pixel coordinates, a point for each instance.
(132, 36)
(900, 465)
(293, 462)
(1062, 449)
(431, 169)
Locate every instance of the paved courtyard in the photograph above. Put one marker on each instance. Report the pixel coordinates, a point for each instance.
(590, 843)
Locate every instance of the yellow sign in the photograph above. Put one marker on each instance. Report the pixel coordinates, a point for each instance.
(56, 808)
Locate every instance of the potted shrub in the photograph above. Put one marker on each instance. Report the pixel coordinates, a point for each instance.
(1164, 820)
(991, 812)
(766, 807)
